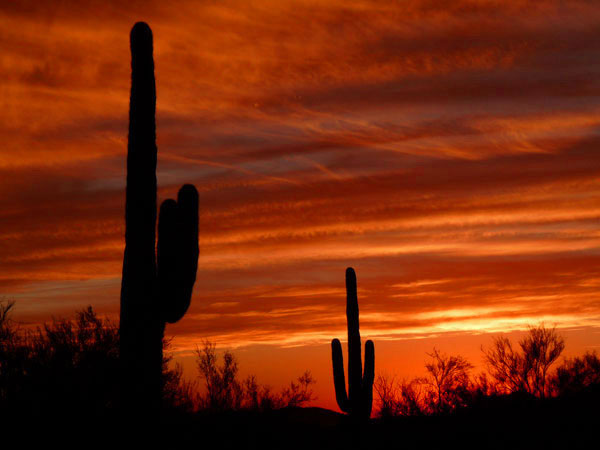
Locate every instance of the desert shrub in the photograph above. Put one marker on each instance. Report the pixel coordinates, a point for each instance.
(516, 377)
(225, 392)
(399, 397)
(525, 370)
(576, 374)
(69, 368)
(63, 366)
(299, 393)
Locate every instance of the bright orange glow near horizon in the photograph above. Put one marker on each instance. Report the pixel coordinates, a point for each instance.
(448, 151)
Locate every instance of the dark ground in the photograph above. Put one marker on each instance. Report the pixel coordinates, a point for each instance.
(500, 423)
(564, 424)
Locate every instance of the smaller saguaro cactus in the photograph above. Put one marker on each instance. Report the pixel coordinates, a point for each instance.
(357, 403)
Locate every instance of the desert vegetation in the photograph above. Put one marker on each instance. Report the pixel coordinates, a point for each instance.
(72, 366)
(67, 371)
(529, 370)
(225, 391)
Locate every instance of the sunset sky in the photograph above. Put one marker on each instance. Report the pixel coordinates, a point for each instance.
(447, 150)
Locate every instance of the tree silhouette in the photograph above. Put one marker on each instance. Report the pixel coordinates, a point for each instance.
(449, 378)
(398, 397)
(576, 374)
(299, 393)
(71, 368)
(225, 392)
(14, 357)
(63, 366)
(7, 331)
(525, 370)
(446, 388)
(387, 391)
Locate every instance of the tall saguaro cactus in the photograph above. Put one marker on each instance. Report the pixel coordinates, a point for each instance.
(157, 278)
(358, 401)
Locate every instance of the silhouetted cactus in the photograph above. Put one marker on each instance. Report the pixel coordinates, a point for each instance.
(157, 278)
(358, 401)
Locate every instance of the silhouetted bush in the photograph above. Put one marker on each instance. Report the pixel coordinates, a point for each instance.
(525, 370)
(225, 392)
(449, 382)
(399, 397)
(176, 392)
(63, 366)
(69, 368)
(576, 374)
(446, 388)
(516, 379)
(299, 393)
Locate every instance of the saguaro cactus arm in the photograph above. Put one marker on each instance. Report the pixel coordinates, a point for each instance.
(177, 253)
(339, 379)
(368, 378)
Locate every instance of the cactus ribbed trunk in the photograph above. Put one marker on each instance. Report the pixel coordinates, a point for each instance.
(354, 347)
(358, 401)
(140, 331)
(150, 296)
